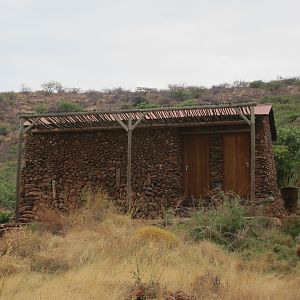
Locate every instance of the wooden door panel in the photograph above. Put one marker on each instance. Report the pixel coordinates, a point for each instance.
(196, 164)
(237, 163)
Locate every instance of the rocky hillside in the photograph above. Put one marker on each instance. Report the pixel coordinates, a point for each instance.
(284, 93)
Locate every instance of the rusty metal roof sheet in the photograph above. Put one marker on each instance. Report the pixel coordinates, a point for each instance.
(262, 109)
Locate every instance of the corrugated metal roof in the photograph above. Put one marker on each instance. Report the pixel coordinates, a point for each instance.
(158, 116)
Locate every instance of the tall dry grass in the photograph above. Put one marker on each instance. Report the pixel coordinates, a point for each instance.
(105, 256)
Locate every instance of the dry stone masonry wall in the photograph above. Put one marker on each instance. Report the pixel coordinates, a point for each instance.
(58, 166)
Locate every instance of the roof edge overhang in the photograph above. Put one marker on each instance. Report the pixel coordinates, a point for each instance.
(226, 113)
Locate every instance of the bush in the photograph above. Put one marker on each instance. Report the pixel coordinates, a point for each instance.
(156, 234)
(146, 105)
(7, 185)
(222, 225)
(292, 227)
(181, 92)
(65, 105)
(274, 85)
(21, 242)
(51, 221)
(188, 102)
(97, 203)
(257, 84)
(8, 97)
(287, 155)
(296, 82)
(41, 108)
(5, 216)
(49, 264)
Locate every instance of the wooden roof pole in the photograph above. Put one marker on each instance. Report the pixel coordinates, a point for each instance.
(129, 154)
(19, 162)
(252, 171)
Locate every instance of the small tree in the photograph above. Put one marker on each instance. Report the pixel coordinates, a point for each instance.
(51, 87)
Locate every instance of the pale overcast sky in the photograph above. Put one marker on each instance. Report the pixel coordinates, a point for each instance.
(96, 44)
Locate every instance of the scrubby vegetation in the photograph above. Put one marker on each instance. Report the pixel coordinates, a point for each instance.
(7, 185)
(111, 256)
(230, 226)
(287, 147)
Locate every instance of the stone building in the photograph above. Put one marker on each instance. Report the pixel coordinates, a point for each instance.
(149, 160)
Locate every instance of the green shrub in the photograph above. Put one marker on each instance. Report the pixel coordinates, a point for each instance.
(229, 227)
(8, 97)
(7, 185)
(287, 155)
(274, 85)
(257, 84)
(292, 226)
(41, 108)
(221, 225)
(188, 102)
(146, 105)
(296, 82)
(181, 92)
(5, 216)
(65, 105)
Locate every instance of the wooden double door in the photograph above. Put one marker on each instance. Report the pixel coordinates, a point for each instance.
(235, 169)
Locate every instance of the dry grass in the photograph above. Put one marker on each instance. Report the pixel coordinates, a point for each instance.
(102, 258)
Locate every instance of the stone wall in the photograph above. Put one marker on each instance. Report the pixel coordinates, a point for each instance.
(265, 170)
(59, 165)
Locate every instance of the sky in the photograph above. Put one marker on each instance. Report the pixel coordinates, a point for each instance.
(98, 44)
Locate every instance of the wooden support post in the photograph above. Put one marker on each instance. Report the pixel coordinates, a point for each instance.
(252, 174)
(129, 128)
(19, 162)
(238, 110)
(129, 133)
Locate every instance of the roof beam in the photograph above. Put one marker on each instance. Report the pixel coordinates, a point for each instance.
(242, 115)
